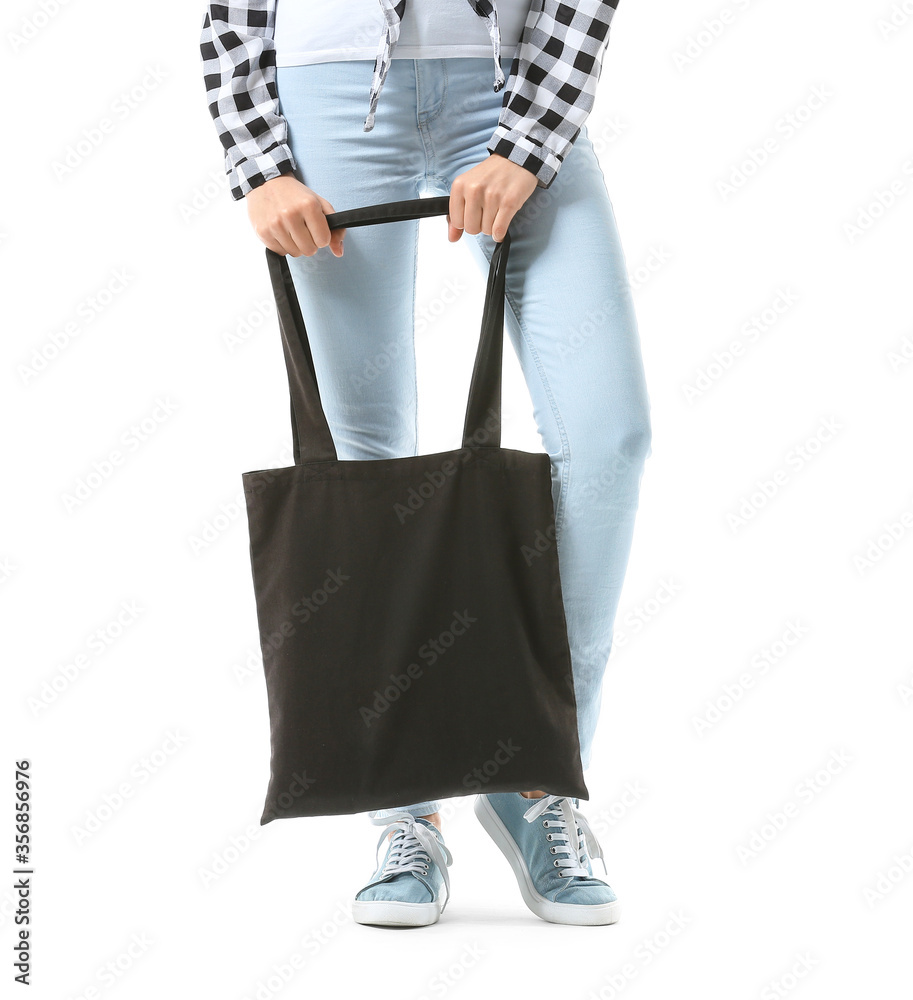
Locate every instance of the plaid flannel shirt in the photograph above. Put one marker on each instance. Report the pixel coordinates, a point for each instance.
(548, 94)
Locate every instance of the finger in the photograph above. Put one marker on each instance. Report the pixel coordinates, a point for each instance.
(274, 245)
(308, 228)
(455, 216)
(490, 213)
(337, 235)
(500, 223)
(472, 212)
(472, 219)
(453, 233)
(297, 238)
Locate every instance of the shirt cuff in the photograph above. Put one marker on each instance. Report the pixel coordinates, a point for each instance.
(519, 148)
(243, 177)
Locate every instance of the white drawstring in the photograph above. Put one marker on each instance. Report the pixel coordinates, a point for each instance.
(393, 11)
(487, 10)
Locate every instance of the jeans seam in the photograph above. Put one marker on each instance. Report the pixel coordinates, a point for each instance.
(423, 123)
(418, 90)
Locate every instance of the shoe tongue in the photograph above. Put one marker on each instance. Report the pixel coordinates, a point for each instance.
(418, 819)
(427, 823)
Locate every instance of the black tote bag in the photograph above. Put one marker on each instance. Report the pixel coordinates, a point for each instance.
(411, 619)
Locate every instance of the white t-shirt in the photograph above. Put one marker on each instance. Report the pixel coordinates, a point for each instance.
(308, 31)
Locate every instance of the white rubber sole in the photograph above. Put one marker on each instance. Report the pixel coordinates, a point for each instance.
(394, 913)
(557, 913)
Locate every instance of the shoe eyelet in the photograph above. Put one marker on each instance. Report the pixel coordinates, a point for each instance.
(548, 836)
(551, 850)
(555, 862)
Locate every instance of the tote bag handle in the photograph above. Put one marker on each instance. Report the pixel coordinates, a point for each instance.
(311, 435)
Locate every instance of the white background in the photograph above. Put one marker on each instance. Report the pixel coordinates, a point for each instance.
(820, 741)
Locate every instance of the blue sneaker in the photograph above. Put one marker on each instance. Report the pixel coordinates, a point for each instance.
(405, 890)
(551, 863)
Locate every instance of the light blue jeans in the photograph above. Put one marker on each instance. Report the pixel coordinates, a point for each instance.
(569, 314)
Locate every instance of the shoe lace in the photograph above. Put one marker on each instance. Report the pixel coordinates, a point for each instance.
(565, 818)
(412, 847)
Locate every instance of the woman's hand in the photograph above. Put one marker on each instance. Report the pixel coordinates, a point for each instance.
(485, 198)
(290, 218)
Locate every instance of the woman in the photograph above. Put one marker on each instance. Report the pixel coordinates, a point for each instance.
(287, 85)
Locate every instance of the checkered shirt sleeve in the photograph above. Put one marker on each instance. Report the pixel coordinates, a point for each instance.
(239, 71)
(552, 84)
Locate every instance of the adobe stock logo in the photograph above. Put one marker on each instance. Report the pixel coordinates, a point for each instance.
(302, 609)
(284, 801)
(430, 652)
(434, 479)
(481, 775)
